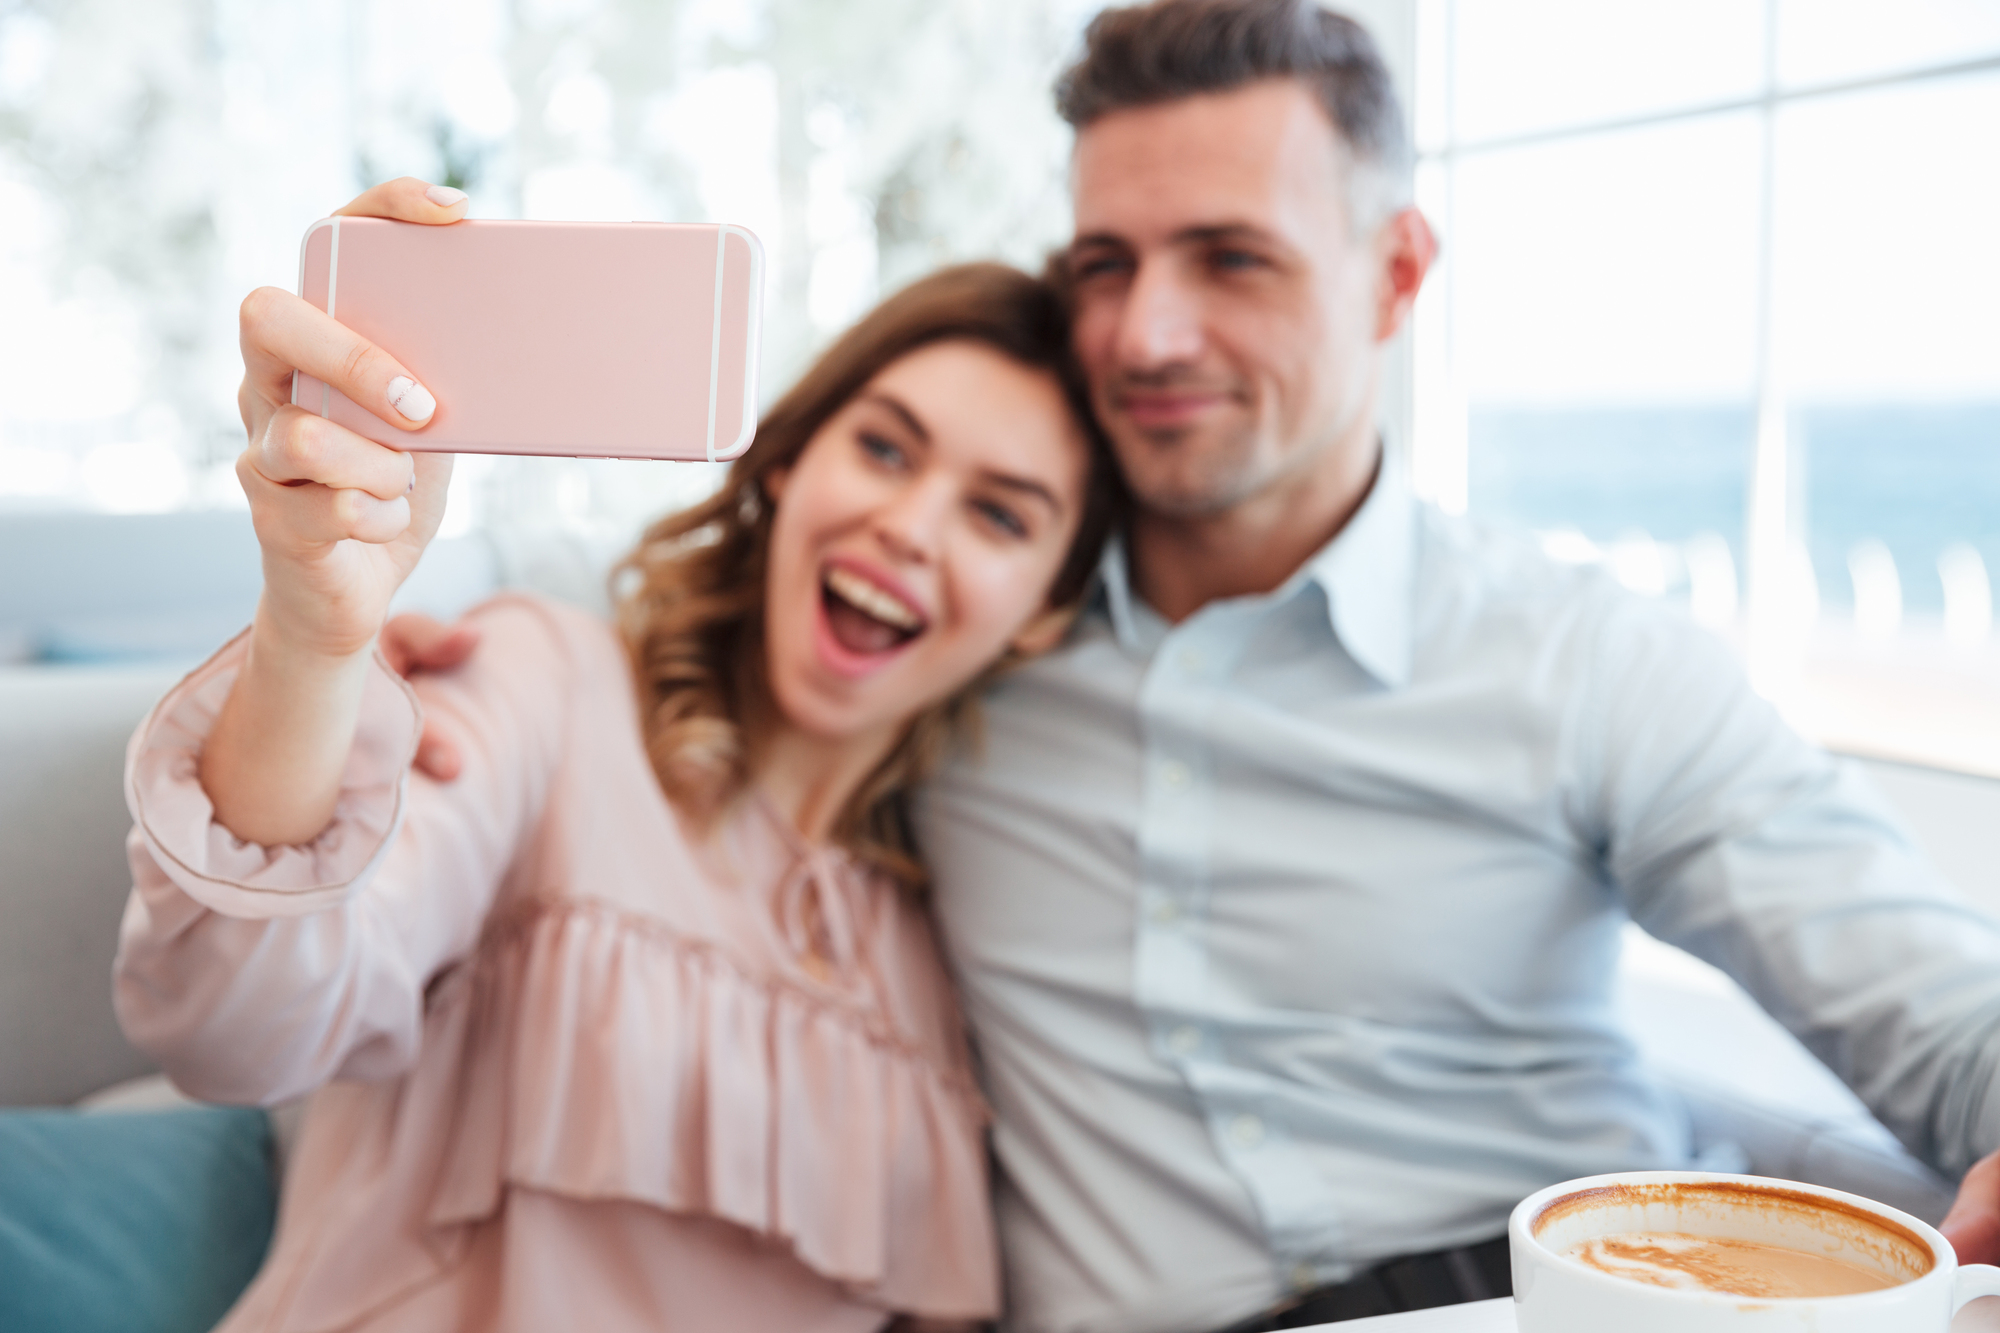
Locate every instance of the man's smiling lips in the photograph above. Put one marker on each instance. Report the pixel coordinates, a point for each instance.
(1169, 407)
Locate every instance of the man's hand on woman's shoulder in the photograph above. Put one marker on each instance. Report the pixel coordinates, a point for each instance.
(414, 642)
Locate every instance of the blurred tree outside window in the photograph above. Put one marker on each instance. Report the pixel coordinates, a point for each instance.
(159, 159)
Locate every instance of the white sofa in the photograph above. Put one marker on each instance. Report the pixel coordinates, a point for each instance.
(1756, 1097)
(99, 615)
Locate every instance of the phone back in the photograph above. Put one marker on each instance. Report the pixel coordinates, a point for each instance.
(585, 339)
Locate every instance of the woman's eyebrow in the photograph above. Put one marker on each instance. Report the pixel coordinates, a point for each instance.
(895, 405)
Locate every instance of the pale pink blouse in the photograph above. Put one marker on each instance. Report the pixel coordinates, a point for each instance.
(569, 1067)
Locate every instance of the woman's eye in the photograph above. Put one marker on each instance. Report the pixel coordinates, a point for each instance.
(1000, 517)
(882, 449)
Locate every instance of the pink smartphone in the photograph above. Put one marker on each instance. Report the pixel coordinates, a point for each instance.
(583, 339)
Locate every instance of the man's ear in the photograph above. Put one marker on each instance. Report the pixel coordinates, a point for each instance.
(1406, 247)
(1044, 631)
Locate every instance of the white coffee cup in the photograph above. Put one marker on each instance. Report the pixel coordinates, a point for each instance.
(1554, 1293)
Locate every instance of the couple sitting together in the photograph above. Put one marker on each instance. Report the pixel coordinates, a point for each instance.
(1257, 934)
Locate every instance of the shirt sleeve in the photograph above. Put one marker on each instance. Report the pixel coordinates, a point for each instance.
(1734, 838)
(255, 974)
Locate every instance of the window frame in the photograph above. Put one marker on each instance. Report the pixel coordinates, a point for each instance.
(1426, 406)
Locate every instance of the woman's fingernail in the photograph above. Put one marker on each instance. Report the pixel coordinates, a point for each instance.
(444, 196)
(412, 399)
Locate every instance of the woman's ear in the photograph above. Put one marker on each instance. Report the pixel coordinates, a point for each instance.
(1044, 631)
(773, 482)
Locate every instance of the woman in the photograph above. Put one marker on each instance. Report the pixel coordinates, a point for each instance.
(637, 1023)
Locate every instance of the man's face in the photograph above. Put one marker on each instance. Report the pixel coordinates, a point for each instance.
(1227, 315)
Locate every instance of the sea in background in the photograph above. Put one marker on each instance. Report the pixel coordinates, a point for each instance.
(1916, 477)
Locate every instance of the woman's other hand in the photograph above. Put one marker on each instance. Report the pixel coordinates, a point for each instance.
(342, 521)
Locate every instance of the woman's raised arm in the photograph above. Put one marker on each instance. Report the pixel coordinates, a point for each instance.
(342, 521)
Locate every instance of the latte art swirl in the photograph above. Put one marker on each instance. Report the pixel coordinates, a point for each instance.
(1733, 1267)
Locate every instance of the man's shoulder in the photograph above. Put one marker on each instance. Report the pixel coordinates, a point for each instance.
(1483, 586)
(1491, 573)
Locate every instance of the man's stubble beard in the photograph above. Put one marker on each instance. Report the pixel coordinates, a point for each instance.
(1178, 474)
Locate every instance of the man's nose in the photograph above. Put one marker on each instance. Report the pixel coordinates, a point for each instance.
(1161, 322)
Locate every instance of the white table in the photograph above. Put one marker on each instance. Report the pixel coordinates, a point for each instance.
(1982, 1316)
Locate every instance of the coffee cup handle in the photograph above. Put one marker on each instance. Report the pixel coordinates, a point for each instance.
(1972, 1282)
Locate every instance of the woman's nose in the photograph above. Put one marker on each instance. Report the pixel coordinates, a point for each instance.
(911, 525)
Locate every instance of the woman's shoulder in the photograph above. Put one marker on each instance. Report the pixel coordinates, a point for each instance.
(543, 673)
(532, 618)
(528, 635)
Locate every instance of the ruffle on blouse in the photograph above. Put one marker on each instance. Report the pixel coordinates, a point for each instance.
(244, 879)
(601, 1055)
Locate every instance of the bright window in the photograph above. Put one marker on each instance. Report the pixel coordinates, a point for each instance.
(1717, 310)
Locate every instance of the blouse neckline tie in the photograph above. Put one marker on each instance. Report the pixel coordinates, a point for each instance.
(815, 908)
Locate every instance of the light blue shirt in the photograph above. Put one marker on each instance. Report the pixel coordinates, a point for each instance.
(1287, 934)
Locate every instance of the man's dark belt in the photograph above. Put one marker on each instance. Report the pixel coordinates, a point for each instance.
(1415, 1282)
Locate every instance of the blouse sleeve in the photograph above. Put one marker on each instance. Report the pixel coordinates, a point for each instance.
(254, 974)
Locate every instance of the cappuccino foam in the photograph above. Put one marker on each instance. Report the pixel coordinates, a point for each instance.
(1733, 1267)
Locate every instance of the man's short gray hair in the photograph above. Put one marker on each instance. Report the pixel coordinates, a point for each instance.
(1142, 55)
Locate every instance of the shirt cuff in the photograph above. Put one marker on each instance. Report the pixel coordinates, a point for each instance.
(244, 879)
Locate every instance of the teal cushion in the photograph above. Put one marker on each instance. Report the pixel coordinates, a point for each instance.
(136, 1221)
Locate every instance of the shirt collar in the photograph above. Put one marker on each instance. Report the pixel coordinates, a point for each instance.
(1366, 573)
(1114, 580)
(1368, 576)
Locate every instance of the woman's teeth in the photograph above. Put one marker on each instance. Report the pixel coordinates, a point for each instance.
(871, 600)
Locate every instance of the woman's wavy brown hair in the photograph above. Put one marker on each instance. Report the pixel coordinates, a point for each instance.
(692, 593)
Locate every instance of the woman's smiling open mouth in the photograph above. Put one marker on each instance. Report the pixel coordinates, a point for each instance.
(864, 619)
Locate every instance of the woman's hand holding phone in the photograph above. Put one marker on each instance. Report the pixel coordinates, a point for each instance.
(342, 521)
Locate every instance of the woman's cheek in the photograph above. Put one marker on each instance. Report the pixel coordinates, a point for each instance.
(1010, 592)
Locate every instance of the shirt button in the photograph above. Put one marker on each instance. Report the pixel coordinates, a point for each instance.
(1190, 660)
(1185, 1039)
(1175, 773)
(1303, 1277)
(1165, 911)
(1247, 1130)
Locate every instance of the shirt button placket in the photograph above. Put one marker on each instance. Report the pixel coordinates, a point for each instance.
(1170, 964)
(1178, 716)
(1246, 1131)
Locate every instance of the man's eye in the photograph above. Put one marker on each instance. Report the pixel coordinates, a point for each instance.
(1235, 261)
(1000, 517)
(1099, 266)
(882, 449)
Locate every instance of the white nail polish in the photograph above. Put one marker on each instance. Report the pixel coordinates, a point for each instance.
(412, 399)
(444, 196)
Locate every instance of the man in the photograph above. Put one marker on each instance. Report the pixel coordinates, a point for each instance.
(1286, 895)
